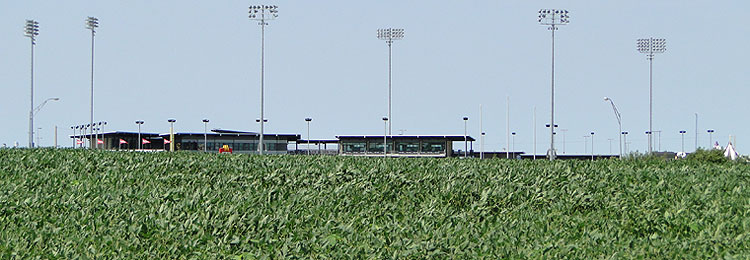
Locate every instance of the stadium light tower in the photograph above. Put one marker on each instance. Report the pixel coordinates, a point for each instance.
(619, 120)
(92, 23)
(553, 18)
(31, 30)
(389, 35)
(262, 13)
(650, 47)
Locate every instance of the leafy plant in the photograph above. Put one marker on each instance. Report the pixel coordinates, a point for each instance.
(122, 205)
(709, 156)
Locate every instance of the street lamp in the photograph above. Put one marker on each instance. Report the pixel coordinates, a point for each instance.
(31, 30)
(171, 133)
(625, 140)
(592, 146)
(385, 134)
(648, 133)
(650, 47)
(205, 135)
(710, 137)
(260, 144)
(553, 18)
(262, 13)
(619, 120)
(390, 35)
(682, 133)
(140, 141)
(73, 128)
(91, 133)
(81, 132)
(466, 141)
(38, 129)
(92, 23)
(36, 110)
(481, 156)
(513, 144)
(308, 120)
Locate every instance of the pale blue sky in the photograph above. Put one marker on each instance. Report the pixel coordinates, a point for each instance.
(194, 59)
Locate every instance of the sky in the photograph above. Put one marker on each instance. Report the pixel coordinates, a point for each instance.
(191, 60)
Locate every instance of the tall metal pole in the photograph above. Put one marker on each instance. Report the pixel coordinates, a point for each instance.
(385, 136)
(31, 111)
(261, 14)
(31, 30)
(592, 146)
(534, 126)
(696, 131)
(262, 82)
(649, 47)
(466, 142)
(552, 152)
(650, 102)
(140, 141)
(91, 24)
(308, 120)
(682, 134)
(481, 132)
(553, 18)
(507, 127)
(390, 116)
(389, 35)
(205, 135)
(513, 143)
(171, 134)
(619, 120)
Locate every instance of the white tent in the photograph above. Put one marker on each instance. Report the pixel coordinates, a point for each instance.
(730, 152)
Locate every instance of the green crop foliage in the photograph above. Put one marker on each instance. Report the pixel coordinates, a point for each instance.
(66, 204)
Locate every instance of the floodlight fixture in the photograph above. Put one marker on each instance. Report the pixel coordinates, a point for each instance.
(31, 30)
(553, 17)
(92, 23)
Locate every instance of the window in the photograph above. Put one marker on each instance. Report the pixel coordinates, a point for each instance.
(354, 147)
(407, 147)
(377, 147)
(433, 147)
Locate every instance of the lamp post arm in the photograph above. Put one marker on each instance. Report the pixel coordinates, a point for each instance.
(617, 112)
(36, 110)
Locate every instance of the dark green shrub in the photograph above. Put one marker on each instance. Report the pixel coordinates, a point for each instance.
(711, 156)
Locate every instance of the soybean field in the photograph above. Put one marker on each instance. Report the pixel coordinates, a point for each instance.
(65, 203)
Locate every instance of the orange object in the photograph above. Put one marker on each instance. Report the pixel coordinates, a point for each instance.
(225, 149)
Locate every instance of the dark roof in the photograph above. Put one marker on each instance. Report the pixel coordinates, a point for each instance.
(454, 138)
(226, 131)
(125, 133)
(318, 141)
(288, 137)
